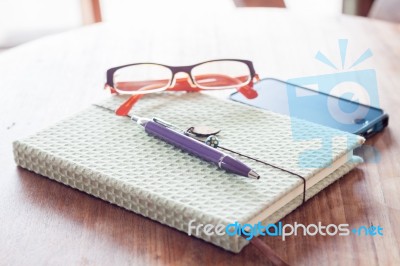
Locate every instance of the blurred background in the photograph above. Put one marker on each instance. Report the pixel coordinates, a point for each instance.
(25, 20)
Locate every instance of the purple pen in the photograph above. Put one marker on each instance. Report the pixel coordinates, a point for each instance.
(163, 130)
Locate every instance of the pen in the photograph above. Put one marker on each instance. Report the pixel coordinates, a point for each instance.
(158, 128)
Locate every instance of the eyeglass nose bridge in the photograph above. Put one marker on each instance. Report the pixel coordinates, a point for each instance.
(184, 69)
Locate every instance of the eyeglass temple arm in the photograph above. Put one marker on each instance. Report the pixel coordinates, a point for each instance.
(124, 109)
(247, 90)
(127, 105)
(210, 79)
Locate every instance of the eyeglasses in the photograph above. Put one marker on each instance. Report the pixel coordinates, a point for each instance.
(143, 78)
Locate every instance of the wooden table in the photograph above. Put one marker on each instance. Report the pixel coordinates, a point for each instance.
(44, 222)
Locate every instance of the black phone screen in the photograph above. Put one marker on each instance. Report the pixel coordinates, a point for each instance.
(295, 101)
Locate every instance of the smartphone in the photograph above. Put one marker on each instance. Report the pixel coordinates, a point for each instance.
(318, 107)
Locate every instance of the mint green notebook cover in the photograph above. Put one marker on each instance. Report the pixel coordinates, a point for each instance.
(109, 157)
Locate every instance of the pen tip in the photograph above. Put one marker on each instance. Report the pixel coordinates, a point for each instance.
(253, 175)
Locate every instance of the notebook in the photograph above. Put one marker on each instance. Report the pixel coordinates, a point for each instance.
(111, 158)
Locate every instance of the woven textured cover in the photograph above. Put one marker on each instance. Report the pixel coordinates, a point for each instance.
(111, 158)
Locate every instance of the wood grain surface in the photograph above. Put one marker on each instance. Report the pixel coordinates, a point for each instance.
(44, 222)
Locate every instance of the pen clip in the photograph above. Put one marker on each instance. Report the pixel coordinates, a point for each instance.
(166, 124)
(175, 128)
